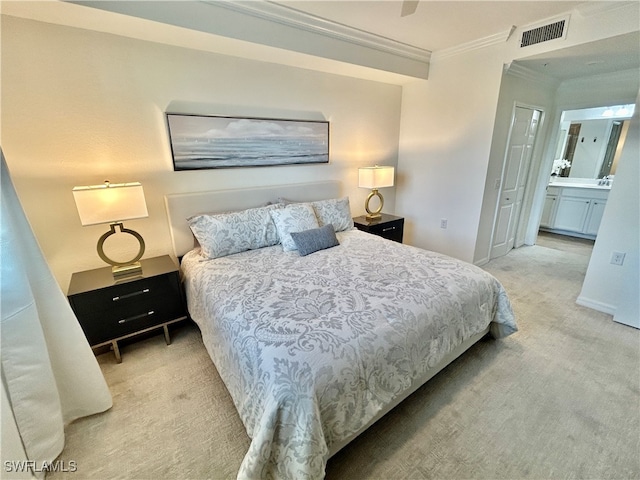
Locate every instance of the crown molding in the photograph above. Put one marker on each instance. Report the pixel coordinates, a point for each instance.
(590, 9)
(473, 45)
(520, 71)
(273, 12)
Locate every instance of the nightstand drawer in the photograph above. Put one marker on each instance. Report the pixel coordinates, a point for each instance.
(101, 326)
(126, 294)
(391, 230)
(387, 226)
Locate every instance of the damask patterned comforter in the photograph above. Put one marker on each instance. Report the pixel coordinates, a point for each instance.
(312, 348)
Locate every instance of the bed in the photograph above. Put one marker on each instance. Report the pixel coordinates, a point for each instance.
(316, 346)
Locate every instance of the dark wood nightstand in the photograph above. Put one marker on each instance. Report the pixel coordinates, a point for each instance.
(388, 226)
(111, 309)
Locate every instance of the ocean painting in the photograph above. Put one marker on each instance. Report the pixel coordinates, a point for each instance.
(225, 142)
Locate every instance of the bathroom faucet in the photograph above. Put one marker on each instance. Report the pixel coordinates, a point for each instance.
(604, 180)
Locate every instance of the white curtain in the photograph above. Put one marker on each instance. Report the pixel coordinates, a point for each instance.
(50, 376)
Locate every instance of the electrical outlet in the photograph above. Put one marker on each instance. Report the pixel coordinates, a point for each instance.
(443, 223)
(617, 258)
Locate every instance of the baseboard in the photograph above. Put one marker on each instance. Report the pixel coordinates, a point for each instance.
(481, 262)
(568, 233)
(596, 305)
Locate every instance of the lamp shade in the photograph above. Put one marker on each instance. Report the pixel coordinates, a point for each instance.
(375, 177)
(110, 202)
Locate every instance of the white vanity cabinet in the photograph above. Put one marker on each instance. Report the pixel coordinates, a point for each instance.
(549, 209)
(571, 213)
(574, 210)
(594, 216)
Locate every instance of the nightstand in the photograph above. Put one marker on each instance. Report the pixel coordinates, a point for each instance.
(388, 226)
(110, 309)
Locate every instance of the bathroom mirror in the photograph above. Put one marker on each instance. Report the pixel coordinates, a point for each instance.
(590, 141)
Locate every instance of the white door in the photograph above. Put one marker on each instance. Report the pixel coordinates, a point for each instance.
(514, 179)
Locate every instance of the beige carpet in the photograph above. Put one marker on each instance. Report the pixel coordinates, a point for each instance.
(559, 399)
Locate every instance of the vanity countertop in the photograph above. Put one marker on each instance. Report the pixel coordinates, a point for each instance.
(579, 185)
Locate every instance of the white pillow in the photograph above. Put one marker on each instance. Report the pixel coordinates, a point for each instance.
(335, 211)
(224, 234)
(295, 217)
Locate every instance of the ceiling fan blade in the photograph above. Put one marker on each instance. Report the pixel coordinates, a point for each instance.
(408, 7)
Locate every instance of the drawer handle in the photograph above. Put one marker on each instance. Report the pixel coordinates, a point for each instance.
(388, 228)
(129, 295)
(136, 317)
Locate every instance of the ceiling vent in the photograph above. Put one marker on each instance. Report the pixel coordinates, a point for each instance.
(544, 33)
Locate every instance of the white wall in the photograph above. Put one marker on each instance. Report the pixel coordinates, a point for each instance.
(79, 107)
(611, 288)
(614, 88)
(445, 140)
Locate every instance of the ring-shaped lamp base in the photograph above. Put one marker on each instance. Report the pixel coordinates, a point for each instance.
(375, 214)
(119, 269)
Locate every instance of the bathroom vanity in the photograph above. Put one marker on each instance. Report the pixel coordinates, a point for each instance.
(574, 208)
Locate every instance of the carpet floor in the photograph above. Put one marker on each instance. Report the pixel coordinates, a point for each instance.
(558, 399)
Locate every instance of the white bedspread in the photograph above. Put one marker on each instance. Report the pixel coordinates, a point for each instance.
(312, 348)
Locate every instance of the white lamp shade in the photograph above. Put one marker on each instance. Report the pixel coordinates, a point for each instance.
(110, 203)
(375, 177)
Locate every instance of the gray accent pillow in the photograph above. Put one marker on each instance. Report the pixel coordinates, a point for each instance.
(315, 239)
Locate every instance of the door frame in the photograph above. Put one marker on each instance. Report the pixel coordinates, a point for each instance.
(521, 226)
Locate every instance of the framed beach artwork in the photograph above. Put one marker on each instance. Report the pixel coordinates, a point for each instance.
(199, 141)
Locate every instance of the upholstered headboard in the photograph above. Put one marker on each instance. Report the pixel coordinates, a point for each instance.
(181, 206)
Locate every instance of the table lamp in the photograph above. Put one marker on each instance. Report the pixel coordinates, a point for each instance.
(375, 178)
(113, 203)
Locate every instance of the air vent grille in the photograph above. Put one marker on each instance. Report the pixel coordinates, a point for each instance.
(543, 34)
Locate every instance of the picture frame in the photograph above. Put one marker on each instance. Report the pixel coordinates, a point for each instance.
(212, 141)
